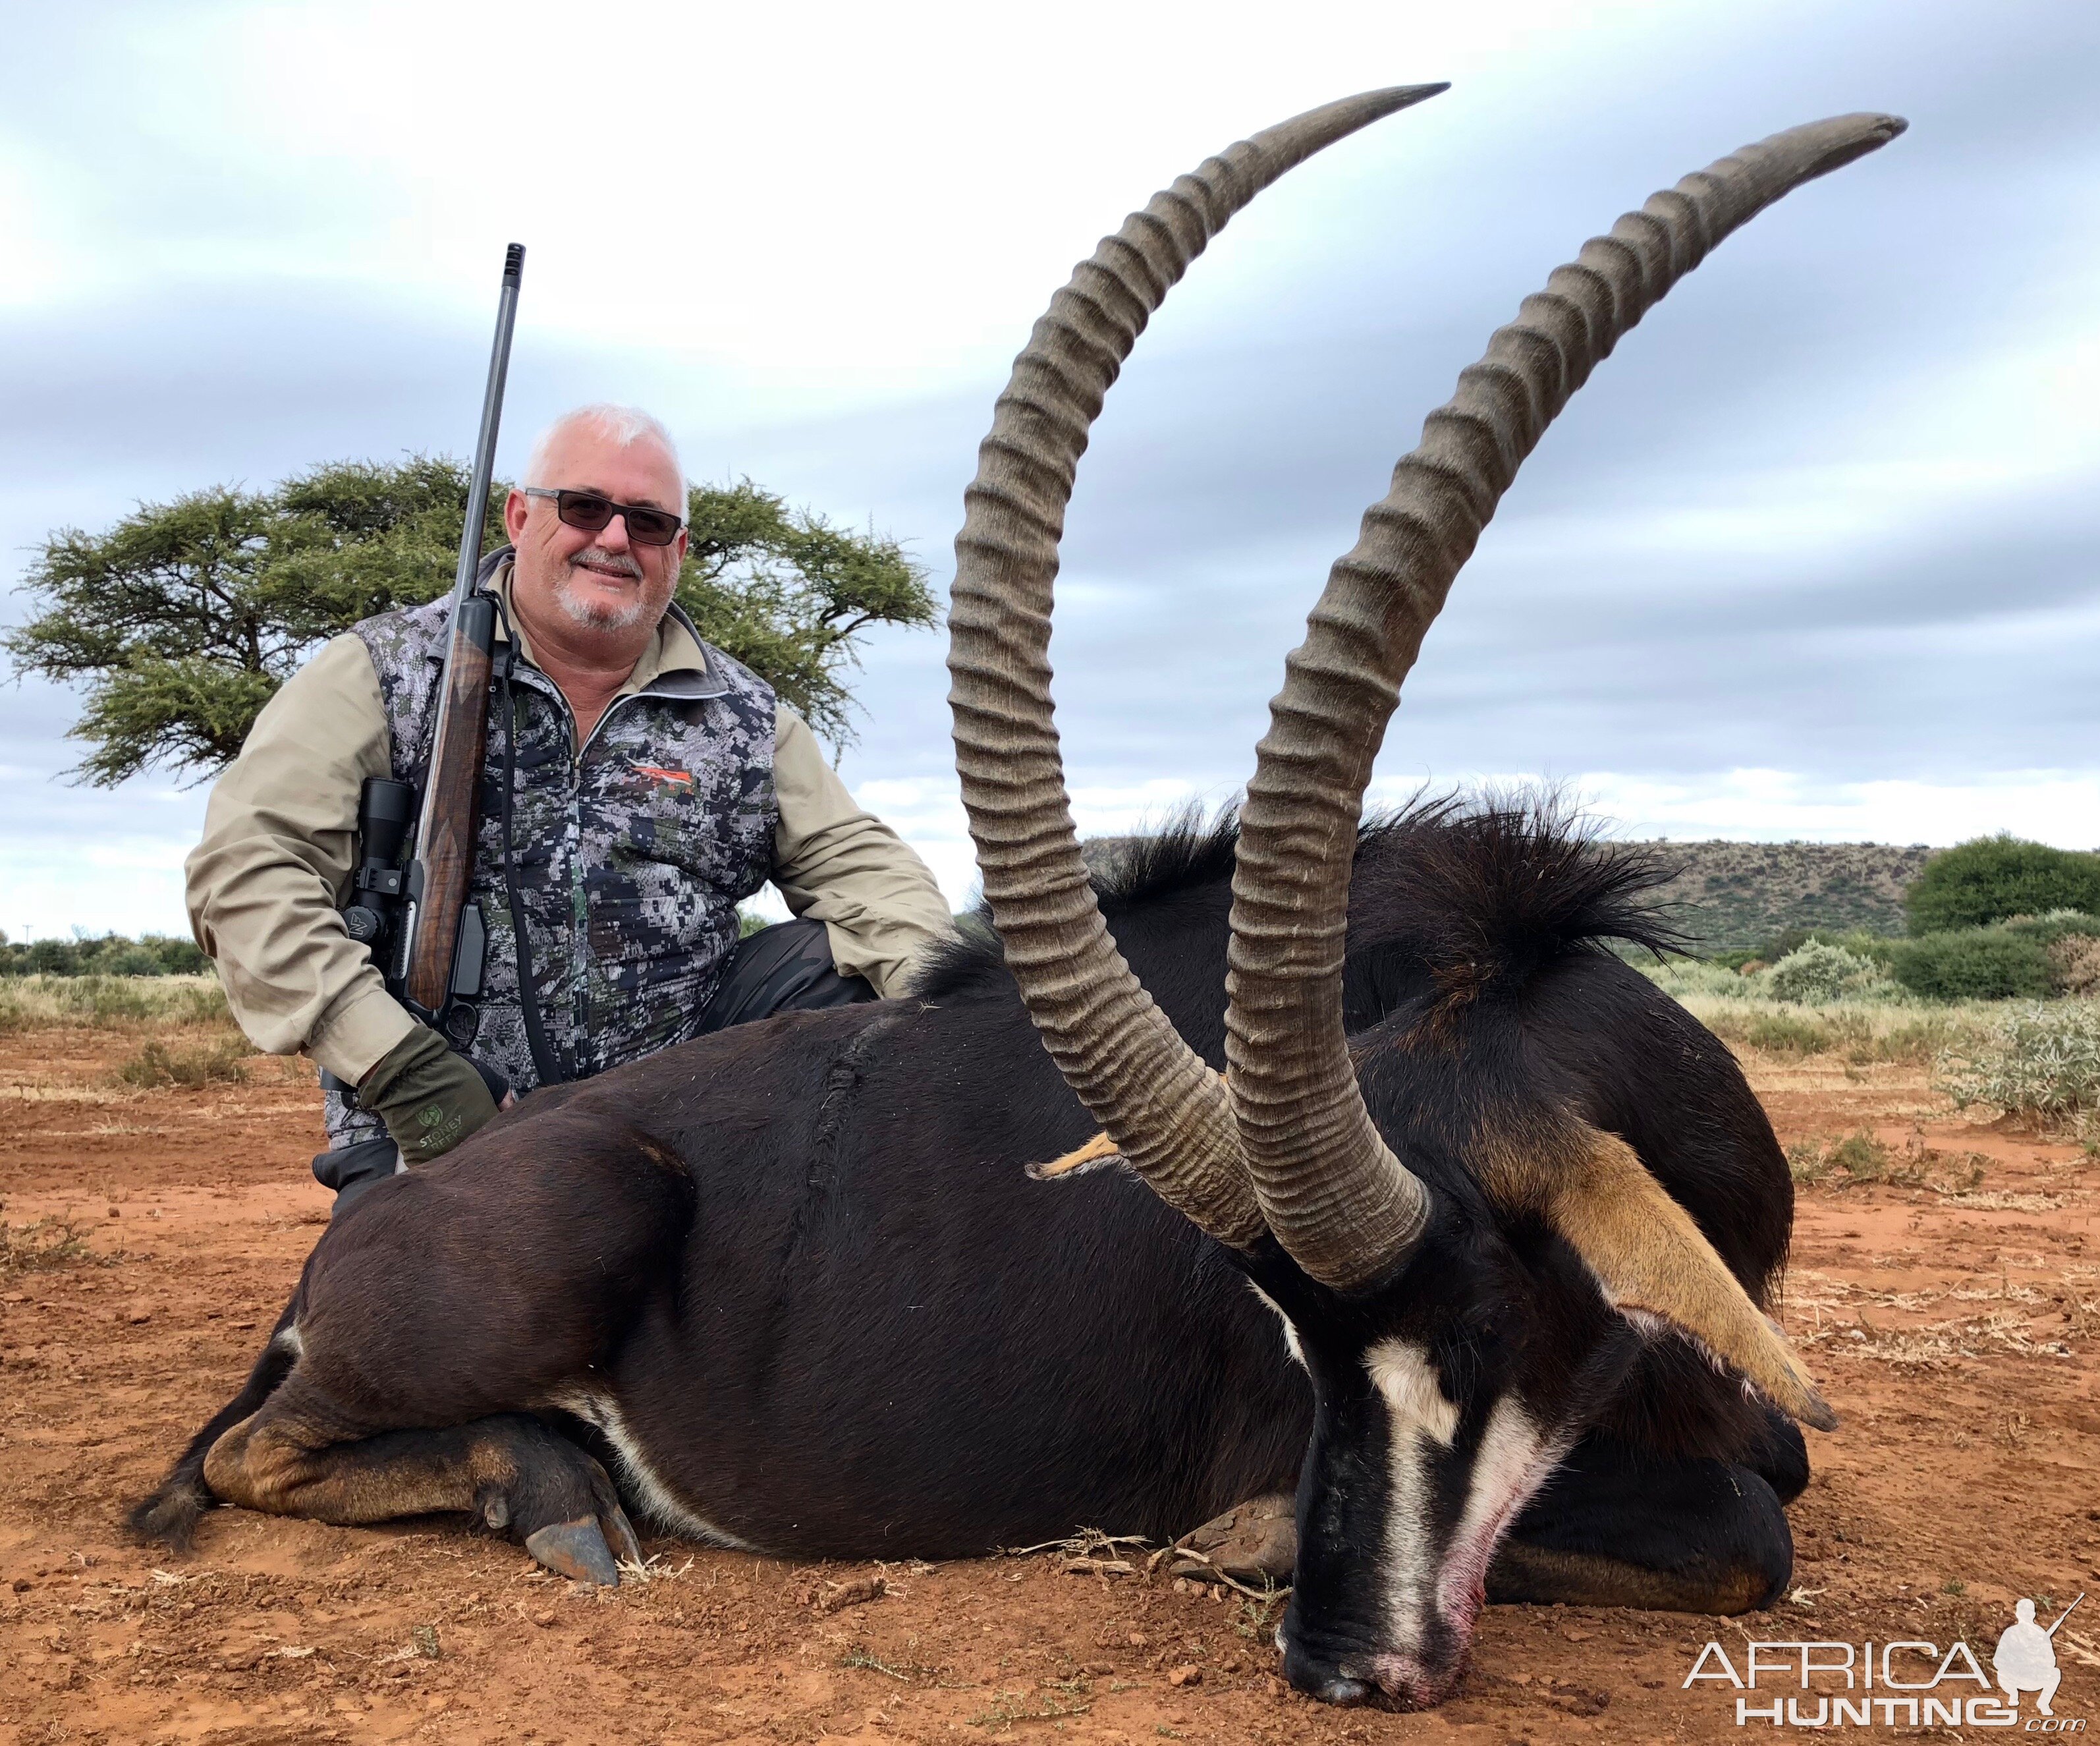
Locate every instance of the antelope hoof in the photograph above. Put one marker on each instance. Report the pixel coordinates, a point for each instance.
(1255, 1541)
(577, 1550)
(612, 1520)
(626, 1548)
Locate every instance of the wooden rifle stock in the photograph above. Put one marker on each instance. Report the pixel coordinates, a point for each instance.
(452, 803)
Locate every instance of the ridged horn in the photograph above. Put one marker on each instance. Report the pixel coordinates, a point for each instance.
(1346, 1209)
(1167, 1112)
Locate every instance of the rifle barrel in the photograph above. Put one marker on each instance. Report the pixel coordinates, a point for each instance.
(491, 416)
(447, 820)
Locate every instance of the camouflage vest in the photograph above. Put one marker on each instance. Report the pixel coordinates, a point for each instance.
(631, 859)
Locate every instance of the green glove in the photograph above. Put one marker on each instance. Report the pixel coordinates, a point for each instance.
(430, 1098)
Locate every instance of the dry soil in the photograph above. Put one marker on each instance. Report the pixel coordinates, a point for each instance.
(1952, 1316)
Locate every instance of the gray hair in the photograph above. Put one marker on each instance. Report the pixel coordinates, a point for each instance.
(622, 426)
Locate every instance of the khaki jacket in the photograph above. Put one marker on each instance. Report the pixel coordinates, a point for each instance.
(266, 881)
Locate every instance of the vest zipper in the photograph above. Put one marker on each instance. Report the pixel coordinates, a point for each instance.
(597, 726)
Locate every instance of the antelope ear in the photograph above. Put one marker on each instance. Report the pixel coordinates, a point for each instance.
(1650, 1259)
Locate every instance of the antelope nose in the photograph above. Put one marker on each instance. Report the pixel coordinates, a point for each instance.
(1323, 1679)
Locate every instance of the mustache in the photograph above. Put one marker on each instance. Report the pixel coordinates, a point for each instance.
(624, 562)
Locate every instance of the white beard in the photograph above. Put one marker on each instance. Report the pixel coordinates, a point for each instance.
(597, 616)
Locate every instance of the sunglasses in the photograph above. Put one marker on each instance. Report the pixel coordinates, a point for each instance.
(589, 512)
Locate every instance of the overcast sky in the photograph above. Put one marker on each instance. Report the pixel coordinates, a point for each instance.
(1812, 556)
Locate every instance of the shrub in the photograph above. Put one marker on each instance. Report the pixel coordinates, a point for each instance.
(2038, 1064)
(2073, 964)
(1857, 1158)
(1976, 964)
(1787, 1033)
(179, 957)
(112, 955)
(1678, 977)
(220, 1061)
(1917, 1043)
(1815, 974)
(1993, 878)
(48, 1243)
(51, 957)
(1784, 944)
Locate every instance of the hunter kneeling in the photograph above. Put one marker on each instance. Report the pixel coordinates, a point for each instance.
(638, 785)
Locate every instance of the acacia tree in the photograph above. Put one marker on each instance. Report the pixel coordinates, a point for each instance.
(184, 619)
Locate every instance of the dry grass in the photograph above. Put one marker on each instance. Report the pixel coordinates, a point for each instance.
(1840, 1316)
(28, 1003)
(211, 1061)
(1859, 1160)
(187, 1038)
(1861, 1033)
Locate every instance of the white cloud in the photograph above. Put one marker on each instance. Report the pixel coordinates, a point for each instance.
(1829, 512)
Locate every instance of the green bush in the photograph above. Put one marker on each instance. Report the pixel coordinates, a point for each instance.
(2039, 1063)
(1784, 944)
(1815, 974)
(111, 955)
(1987, 881)
(1976, 964)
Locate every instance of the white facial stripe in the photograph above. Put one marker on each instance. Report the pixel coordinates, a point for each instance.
(1404, 1376)
(1289, 1327)
(638, 1480)
(1410, 1550)
(1423, 1570)
(1419, 1414)
(1514, 1459)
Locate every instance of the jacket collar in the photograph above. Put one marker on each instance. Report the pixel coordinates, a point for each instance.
(676, 664)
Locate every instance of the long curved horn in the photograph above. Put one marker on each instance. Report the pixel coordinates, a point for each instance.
(1165, 1111)
(1346, 1209)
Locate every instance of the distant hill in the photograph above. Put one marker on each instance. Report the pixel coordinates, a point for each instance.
(1733, 896)
(1739, 895)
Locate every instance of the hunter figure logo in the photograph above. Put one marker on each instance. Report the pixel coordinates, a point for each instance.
(2025, 1659)
(1902, 1683)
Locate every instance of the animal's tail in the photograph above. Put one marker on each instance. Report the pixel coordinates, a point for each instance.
(168, 1517)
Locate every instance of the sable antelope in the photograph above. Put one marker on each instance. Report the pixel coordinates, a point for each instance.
(1507, 1214)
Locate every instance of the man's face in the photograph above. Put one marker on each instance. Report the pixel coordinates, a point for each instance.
(601, 582)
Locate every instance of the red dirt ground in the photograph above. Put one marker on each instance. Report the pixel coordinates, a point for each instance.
(1956, 1328)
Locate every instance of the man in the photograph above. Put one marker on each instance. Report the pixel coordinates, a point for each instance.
(650, 782)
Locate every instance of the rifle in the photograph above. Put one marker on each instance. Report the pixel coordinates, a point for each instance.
(433, 960)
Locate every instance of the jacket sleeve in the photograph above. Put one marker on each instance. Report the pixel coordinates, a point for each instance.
(275, 860)
(837, 864)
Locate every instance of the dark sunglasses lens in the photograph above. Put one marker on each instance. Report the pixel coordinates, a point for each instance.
(650, 527)
(579, 509)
